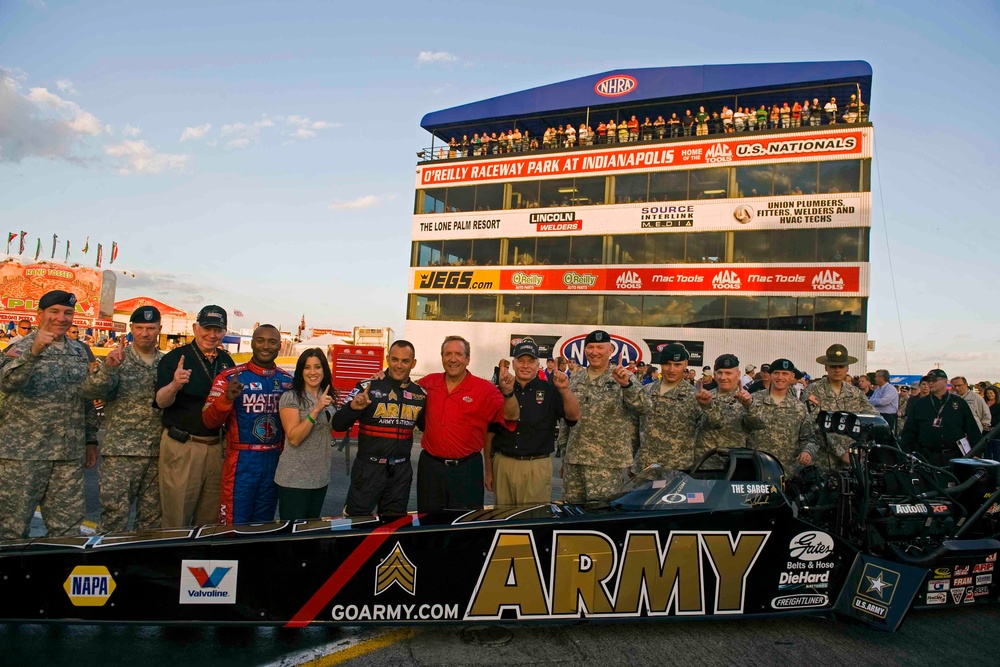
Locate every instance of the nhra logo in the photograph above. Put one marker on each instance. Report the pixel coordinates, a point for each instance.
(828, 280)
(615, 86)
(719, 153)
(208, 581)
(625, 351)
(726, 279)
(629, 280)
(89, 586)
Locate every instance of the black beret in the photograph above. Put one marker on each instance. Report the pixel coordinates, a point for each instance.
(57, 298)
(145, 315)
(727, 361)
(597, 336)
(782, 365)
(673, 352)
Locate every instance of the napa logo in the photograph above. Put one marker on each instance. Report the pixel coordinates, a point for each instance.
(829, 280)
(625, 351)
(718, 152)
(615, 86)
(89, 585)
(208, 581)
(726, 279)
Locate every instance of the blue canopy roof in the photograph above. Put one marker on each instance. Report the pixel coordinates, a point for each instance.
(652, 85)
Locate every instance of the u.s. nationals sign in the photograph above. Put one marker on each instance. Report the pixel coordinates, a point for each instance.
(799, 146)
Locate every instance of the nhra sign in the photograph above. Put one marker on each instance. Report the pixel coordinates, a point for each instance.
(625, 351)
(616, 85)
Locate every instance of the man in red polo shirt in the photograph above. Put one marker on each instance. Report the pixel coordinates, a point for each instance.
(460, 406)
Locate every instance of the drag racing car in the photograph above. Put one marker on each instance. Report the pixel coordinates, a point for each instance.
(728, 537)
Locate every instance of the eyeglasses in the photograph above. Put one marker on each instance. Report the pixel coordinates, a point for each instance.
(959, 386)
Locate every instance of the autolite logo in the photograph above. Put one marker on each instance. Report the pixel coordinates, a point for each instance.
(615, 86)
(828, 280)
(726, 279)
(629, 280)
(208, 581)
(718, 153)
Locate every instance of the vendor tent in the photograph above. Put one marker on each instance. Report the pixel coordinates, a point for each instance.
(322, 342)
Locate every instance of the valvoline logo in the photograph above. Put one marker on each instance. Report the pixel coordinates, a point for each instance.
(208, 581)
(625, 351)
(615, 85)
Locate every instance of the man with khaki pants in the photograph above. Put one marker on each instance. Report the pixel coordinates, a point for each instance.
(191, 454)
(518, 463)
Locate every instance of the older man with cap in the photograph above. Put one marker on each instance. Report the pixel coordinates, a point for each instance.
(49, 430)
(833, 393)
(765, 380)
(667, 432)
(941, 425)
(191, 452)
(131, 450)
(600, 445)
(518, 463)
(786, 429)
(725, 423)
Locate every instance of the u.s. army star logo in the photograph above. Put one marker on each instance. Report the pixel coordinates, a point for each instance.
(396, 569)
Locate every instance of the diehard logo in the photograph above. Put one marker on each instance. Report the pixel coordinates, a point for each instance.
(629, 280)
(89, 585)
(624, 351)
(615, 86)
(828, 279)
(396, 569)
(208, 581)
(726, 279)
(718, 152)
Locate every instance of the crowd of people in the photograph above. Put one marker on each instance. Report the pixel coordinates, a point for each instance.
(193, 438)
(726, 120)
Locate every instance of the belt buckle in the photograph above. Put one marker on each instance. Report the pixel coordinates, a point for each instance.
(451, 462)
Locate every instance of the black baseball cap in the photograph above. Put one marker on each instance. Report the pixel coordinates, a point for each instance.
(673, 352)
(57, 298)
(213, 316)
(597, 336)
(936, 374)
(727, 361)
(145, 315)
(765, 368)
(527, 347)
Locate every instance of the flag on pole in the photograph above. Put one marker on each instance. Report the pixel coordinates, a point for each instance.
(54, 239)
(67, 251)
(86, 246)
(238, 313)
(38, 249)
(100, 255)
(114, 252)
(10, 239)
(23, 235)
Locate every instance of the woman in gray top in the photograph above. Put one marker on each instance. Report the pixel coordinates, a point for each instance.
(303, 471)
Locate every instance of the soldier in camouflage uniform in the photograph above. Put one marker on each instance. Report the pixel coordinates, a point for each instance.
(725, 423)
(47, 427)
(787, 430)
(668, 431)
(600, 444)
(833, 393)
(131, 450)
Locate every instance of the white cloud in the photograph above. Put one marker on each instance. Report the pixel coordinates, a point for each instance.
(138, 156)
(244, 134)
(367, 201)
(131, 131)
(301, 127)
(436, 58)
(80, 121)
(65, 87)
(196, 132)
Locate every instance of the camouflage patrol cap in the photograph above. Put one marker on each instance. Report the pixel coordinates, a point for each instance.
(57, 298)
(673, 352)
(783, 365)
(597, 336)
(727, 361)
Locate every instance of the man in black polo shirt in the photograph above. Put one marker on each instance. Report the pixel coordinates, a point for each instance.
(190, 452)
(518, 467)
(941, 426)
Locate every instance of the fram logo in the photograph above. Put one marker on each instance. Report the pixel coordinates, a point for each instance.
(829, 280)
(718, 153)
(615, 86)
(208, 581)
(624, 351)
(726, 279)
(629, 280)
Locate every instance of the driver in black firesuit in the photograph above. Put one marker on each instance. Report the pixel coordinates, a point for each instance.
(387, 409)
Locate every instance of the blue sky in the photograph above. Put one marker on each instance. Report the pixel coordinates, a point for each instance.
(261, 155)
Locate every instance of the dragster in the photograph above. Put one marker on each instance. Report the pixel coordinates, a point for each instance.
(728, 537)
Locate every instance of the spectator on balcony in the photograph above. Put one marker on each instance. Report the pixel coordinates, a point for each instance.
(739, 120)
(623, 132)
(464, 146)
(751, 119)
(854, 109)
(570, 135)
(785, 112)
(796, 115)
(675, 125)
(560, 136)
(715, 123)
(633, 129)
(612, 131)
(660, 127)
(602, 132)
(831, 110)
(775, 117)
(526, 141)
(585, 135)
(548, 137)
(815, 118)
(475, 144)
(688, 123)
(727, 119)
(516, 140)
(806, 113)
(647, 130)
(452, 148)
(702, 119)
(762, 118)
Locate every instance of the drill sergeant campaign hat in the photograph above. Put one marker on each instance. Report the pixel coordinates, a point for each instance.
(727, 361)
(57, 298)
(597, 336)
(783, 365)
(836, 355)
(527, 347)
(212, 316)
(673, 352)
(145, 315)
